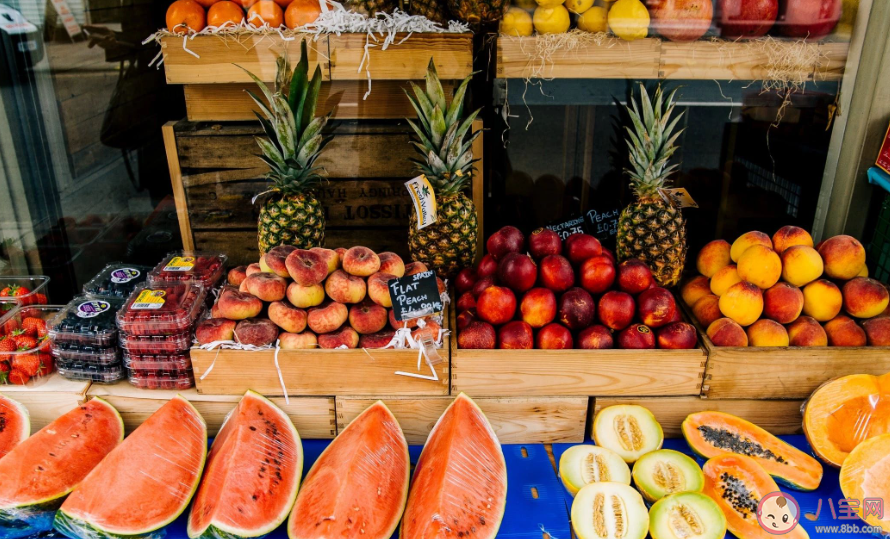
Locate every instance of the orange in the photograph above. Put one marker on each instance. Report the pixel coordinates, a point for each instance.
(301, 12)
(225, 13)
(265, 11)
(185, 14)
(246, 4)
(207, 3)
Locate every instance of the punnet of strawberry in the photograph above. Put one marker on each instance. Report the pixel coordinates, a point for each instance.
(25, 344)
(22, 291)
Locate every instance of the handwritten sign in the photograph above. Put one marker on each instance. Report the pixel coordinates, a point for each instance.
(424, 200)
(414, 296)
(573, 225)
(603, 224)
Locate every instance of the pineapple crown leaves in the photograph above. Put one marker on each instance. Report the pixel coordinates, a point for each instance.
(443, 140)
(651, 140)
(294, 136)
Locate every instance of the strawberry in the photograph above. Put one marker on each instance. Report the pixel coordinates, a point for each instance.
(13, 291)
(7, 344)
(22, 341)
(27, 363)
(46, 365)
(39, 299)
(10, 326)
(18, 377)
(34, 327)
(4, 367)
(43, 344)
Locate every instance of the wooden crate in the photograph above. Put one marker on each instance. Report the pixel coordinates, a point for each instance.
(516, 420)
(48, 399)
(776, 416)
(312, 416)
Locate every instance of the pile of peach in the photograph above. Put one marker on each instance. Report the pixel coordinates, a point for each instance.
(787, 292)
(561, 295)
(316, 298)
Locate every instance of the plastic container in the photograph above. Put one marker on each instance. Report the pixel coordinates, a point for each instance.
(153, 364)
(156, 344)
(99, 374)
(190, 266)
(14, 319)
(116, 280)
(69, 352)
(86, 320)
(161, 309)
(162, 380)
(36, 295)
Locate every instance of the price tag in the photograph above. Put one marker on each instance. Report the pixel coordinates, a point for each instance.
(603, 224)
(574, 225)
(679, 197)
(180, 263)
(424, 200)
(92, 309)
(149, 300)
(414, 296)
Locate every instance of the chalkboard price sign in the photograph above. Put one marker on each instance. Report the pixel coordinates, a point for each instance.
(414, 296)
(603, 224)
(574, 225)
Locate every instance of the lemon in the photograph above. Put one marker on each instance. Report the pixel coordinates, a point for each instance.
(552, 20)
(594, 20)
(549, 3)
(578, 6)
(516, 22)
(629, 19)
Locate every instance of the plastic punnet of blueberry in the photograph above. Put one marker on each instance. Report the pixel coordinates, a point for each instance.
(117, 280)
(86, 320)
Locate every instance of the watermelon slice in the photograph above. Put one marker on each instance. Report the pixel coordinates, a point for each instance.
(358, 486)
(145, 483)
(460, 482)
(39, 472)
(253, 473)
(14, 424)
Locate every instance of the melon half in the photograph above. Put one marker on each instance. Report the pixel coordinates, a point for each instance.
(15, 425)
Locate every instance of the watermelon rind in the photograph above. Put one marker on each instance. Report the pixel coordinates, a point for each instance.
(79, 529)
(24, 418)
(221, 531)
(395, 524)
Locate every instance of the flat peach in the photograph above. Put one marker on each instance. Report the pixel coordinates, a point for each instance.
(266, 286)
(378, 288)
(391, 263)
(806, 331)
(746, 240)
(327, 317)
(801, 265)
(822, 300)
(298, 341)
(761, 266)
(712, 257)
(256, 332)
(306, 268)
(843, 256)
(767, 332)
(864, 297)
(376, 340)
(215, 329)
(416, 267)
(276, 259)
(345, 288)
(305, 296)
(743, 302)
(235, 305)
(237, 275)
(695, 289)
(330, 256)
(367, 317)
(724, 278)
(360, 261)
(253, 268)
(346, 337)
(287, 317)
(789, 236)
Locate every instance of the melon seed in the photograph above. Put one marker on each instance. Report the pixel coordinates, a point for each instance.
(684, 522)
(630, 436)
(594, 468)
(733, 443)
(599, 515)
(618, 511)
(669, 478)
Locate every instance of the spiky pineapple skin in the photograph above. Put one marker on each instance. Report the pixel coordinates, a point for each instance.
(450, 244)
(371, 7)
(475, 11)
(434, 10)
(654, 232)
(296, 220)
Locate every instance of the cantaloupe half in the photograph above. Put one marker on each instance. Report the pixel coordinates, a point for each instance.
(627, 429)
(845, 412)
(609, 511)
(865, 474)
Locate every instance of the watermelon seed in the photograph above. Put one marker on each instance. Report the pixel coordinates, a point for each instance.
(482, 520)
(52, 454)
(40, 468)
(255, 497)
(252, 427)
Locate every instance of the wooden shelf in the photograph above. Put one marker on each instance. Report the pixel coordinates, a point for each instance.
(653, 58)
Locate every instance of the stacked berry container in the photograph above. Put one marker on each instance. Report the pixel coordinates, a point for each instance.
(84, 340)
(190, 266)
(156, 324)
(116, 281)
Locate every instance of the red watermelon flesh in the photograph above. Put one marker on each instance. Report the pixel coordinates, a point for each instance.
(358, 486)
(144, 483)
(460, 482)
(14, 424)
(253, 473)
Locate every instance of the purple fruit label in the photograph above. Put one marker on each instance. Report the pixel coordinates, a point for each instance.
(124, 275)
(90, 309)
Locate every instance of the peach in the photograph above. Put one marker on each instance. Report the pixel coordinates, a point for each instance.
(509, 239)
(676, 336)
(214, 311)
(877, 330)
(305, 296)
(806, 331)
(695, 289)
(298, 341)
(256, 331)
(287, 317)
(634, 276)
(726, 332)
(253, 268)
(844, 331)
(767, 332)
(464, 318)
(554, 337)
(656, 307)
(580, 247)
(330, 256)
(724, 278)
(440, 285)
(538, 307)
(555, 272)
(543, 242)
(743, 303)
(391, 263)
(396, 324)
(477, 334)
(782, 302)
(843, 256)
(237, 275)
(822, 300)
(276, 259)
(616, 309)
(707, 309)
(306, 268)
(465, 280)
(361, 261)
(376, 340)
(595, 338)
(516, 335)
(419, 267)
(746, 240)
(863, 272)
(864, 297)
(597, 274)
(236, 305)
(801, 265)
(345, 288)
(712, 257)
(789, 236)
(367, 317)
(264, 267)
(215, 329)
(346, 337)
(636, 337)
(576, 309)
(243, 287)
(378, 288)
(760, 266)
(465, 302)
(428, 332)
(328, 317)
(266, 286)
(496, 305)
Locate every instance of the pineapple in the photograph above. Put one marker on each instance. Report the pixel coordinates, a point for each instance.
(476, 11)
(371, 7)
(293, 215)
(652, 228)
(434, 10)
(447, 161)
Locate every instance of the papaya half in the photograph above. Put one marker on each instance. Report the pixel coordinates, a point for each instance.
(866, 475)
(845, 412)
(710, 434)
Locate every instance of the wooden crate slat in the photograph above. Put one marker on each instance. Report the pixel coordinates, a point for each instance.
(515, 420)
(49, 398)
(452, 54)
(776, 416)
(614, 59)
